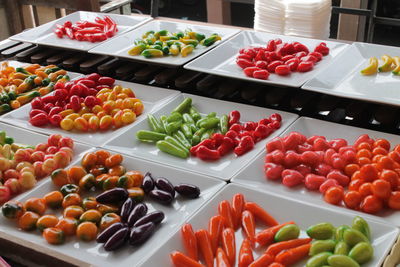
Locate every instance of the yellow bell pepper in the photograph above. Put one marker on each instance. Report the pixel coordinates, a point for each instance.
(372, 68)
(396, 70)
(387, 64)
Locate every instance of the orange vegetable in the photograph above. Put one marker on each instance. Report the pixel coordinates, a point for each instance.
(263, 260)
(68, 225)
(222, 259)
(293, 255)
(266, 237)
(54, 236)
(237, 208)
(276, 248)
(37, 205)
(75, 173)
(260, 213)
(28, 221)
(71, 199)
(53, 199)
(245, 254)
(249, 225)
(73, 211)
(87, 231)
(215, 227)
(181, 260)
(91, 216)
(225, 210)
(204, 243)
(46, 221)
(189, 241)
(229, 244)
(60, 177)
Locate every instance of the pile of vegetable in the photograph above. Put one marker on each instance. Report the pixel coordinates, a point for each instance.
(22, 165)
(164, 43)
(389, 64)
(90, 103)
(368, 169)
(113, 217)
(281, 243)
(99, 30)
(279, 58)
(185, 131)
(19, 86)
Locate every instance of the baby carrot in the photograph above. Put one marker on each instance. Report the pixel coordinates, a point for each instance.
(229, 244)
(215, 227)
(181, 260)
(225, 210)
(189, 241)
(237, 208)
(262, 261)
(293, 255)
(245, 254)
(266, 237)
(222, 259)
(204, 243)
(276, 248)
(249, 225)
(260, 213)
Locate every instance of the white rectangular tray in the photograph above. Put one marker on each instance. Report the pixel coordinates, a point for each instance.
(284, 210)
(253, 174)
(44, 35)
(151, 97)
(120, 46)
(92, 253)
(343, 78)
(222, 60)
(224, 168)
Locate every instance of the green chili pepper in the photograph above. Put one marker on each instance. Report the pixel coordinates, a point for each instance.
(211, 40)
(187, 131)
(163, 121)
(175, 116)
(182, 139)
(172, 127)
(155, 124)
(184, 105)
(174, 141)
(208, 123)
(223, 124)
(187, 118)
(207, 134)
(22, 70)
(212, 115)
(197, 136)
(51, 70)
(149, 136)
(169, 148)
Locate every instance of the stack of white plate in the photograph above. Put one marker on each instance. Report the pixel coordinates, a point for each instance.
(307, 18)
(270, 16)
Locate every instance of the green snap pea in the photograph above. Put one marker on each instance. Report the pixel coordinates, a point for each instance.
(184, 105)
(341, 248)
(361, 225)
(176, 142)
(319, 260)
(163, 121)
(149, 136)
(208, 123)
(175, 116)
(288, 232)
(201, 121)
(339, 232)
(197, 136)
(207, 134)
(342, 261)
(362, 252)
(352, 237)
(223, 124)
(155, 124)
(322, 246)
(212, 115)
(169, 148)
(182, 139)
(187, 118)
(321, 231)
(187, 131)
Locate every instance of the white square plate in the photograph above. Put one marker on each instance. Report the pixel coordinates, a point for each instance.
(224, 168)
(151, 97)
(222, 60)
(93, 253)
(253, 174)
(26, 137)
(120, 46)
(343, 78)
(284, 210)
(44, 35)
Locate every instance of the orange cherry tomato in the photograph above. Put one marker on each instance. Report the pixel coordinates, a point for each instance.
(37, 205)
(54, 236)
(46, 221)
(381, 189)
(371, 204)
(364, 153)
(102, 155)
(75, 173)
(350, 169)
(382, 143)
(364, 145)
(28, 220)
(89, 203)
(60, 177)
(390, 176)
(385, 163)
(379, 151)
(394, 200)
(334, 195)
(87, 231)
(113, 160)
(365, 189)
(108, 220)
(136, 177)
(71, 200)
(369, 172)
(355, 184)
(363, 161)
(352, 199)
(73, 211)
(53, 199)
(117, 170)
(89, 160)
(68, 225)
(91, 216)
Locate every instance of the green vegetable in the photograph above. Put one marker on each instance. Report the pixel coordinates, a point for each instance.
(68, 189)
(195, 114)
(341, 248)
(171, 149)
(187, 118)
(50, 70)
(211, 40)
(321, 231)
(172, 127)
(175, 116)
(12, 95)
(174, 141)
(149, 53)
(9, 140)
(223, 124)
(352, 237)
(155, 124)
(322, 246)
(207, 134)
(208, 123)
(342, 261)
(5, 108)
(361, 225)
(287, 232)
(339, 232)
(149, 136)
(197, 136)
(319, 260)
(2, 137)
(187, 131)
(22, 70)
(184, 105)
(161, 33)
(182, 139)
(163, 120)
(362, 252)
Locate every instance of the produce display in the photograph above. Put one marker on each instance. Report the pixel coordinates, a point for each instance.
(186, 132)
(282, 244)
(364, 176)
(91, 31)
(19, 86)
(90, 103)
(389, 64)
(22, 165)
(113, 217)
(279, 58)
(164, 43)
